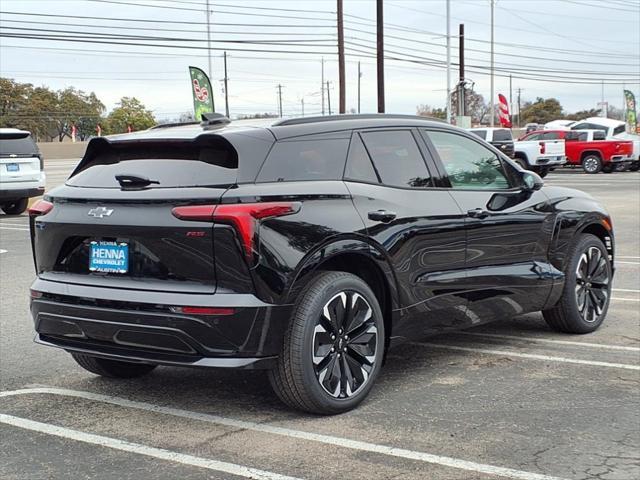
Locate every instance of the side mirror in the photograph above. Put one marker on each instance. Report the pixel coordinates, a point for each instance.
(531, 181)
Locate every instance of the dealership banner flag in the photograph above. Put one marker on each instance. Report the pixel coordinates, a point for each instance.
(202, 93)
(631, 116)
(503, 111)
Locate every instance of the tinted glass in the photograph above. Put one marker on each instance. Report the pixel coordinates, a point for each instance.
(468, 163)
(502, 135)
(17, 145)
(397, 159)
(599, 135)
(480, 133)
(305, 158)
(359, 166)
(171, 166)
(620, 129)
(535, 136)
(551, 136)
(583, 136)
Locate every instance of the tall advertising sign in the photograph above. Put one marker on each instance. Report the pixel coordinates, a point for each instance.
(202, 93)
(631, 116)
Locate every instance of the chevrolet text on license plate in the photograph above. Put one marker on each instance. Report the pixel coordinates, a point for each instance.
(108, 257)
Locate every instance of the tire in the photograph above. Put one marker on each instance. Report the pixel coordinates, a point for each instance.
(15, 207)
(608, 169)
(591, 164)
(112, 368)
(522, 162)
(542, 172)
(309, 382)
(634, 167)
(584, 285)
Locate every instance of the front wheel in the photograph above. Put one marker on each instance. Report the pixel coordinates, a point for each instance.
(587, 288)
(15, 207)
(333, 349)
(522, 162)
(591, 164)
(112, 368)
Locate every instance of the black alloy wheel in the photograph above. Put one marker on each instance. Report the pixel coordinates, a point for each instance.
(592, 284)
(344, 344)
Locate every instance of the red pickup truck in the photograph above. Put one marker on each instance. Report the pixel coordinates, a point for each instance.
(589, 148)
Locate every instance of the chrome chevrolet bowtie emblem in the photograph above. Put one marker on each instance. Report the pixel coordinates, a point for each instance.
(100, 212)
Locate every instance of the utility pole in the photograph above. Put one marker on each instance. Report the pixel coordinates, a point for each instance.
(492, 66)
(519, 91)
(280, 100)
(209, 39)
(342, 101)
(380, 54)
(449, 61)
(322, 83)
(510, 95)
(226, 88)
(461, 99)
(328, 98)
(359, 77)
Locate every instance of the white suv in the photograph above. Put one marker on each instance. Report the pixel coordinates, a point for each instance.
(21, 170)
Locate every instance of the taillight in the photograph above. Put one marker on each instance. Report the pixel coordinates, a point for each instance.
(41, 207)
(243, 216)
(543, 148)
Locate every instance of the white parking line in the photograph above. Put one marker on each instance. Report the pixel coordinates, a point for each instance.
(549, 340)
(160, 453)
(620, 299)
(627, 263)
(13, 228)
(13, 224)
(3, 251)
(287, 432)
(625, 256)
(531, 356)
(626, 290)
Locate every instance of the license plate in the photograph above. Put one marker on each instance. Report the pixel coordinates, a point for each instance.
(13, 167)
(112, 257)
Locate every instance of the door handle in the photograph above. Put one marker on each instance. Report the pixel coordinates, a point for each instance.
(477, 213)
(382, 216)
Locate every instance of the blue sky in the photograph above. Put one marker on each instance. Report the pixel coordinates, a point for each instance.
(566, 41)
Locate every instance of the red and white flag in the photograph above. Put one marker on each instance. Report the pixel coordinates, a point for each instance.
(503, 111)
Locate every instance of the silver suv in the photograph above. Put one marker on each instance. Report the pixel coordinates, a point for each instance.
(21, 170)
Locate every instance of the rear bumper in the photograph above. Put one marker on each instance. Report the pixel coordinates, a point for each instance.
(16, 193)
(620, 159)
(133, 326)
(551, 161)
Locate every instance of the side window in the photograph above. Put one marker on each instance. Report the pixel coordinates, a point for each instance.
(312, 157)
(469, 164)
(480, 133)
(397, 159)
(535, 136)
(502, 135)
(599, 135)
(551, 136)
(359, 166)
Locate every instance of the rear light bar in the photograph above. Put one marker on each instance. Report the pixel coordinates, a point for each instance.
(203, 310)
(243, 216)
(41, 207)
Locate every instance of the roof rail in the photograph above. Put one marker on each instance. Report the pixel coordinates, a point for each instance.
(363, 116)
(213, 119)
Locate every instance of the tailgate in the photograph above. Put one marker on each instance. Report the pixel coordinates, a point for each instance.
(19, 169)
(554, 147)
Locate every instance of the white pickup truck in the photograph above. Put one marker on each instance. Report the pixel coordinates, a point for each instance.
(540, 156)
(615, 130)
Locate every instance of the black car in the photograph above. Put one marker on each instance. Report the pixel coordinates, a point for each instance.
(307, 248)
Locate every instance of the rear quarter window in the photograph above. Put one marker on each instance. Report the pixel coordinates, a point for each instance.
(312, 157)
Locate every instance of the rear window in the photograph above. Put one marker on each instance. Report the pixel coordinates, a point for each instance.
(480, 133)
(17, 144)
(502, 135)
(620, 129)
(551, 136)
(172, 166)
(312, 157)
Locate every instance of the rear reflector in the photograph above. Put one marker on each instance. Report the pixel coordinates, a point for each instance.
(35, 294)
(41, 207)
(242, 216)
(203, 310)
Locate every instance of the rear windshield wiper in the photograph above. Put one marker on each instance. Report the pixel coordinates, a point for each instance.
(134, 181)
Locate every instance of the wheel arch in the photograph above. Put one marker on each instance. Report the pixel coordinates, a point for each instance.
(586, 153)
(598, 229)
(359, 258)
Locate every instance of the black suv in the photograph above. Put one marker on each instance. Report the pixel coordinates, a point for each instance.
(307, 248)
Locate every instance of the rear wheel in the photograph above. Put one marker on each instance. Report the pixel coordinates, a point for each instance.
(112, 368)
(635, 166)
(542, 171)
(333, 349)
(15, 207)
(591, 164)
(587, 289)
(522, 162)
(608, 168)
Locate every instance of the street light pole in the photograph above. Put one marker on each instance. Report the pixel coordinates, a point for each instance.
(448, 61)
(209, 39)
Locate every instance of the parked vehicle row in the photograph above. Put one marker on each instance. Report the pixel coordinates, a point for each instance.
(588, 148)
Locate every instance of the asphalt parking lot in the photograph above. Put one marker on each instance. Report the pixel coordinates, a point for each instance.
(506, 400)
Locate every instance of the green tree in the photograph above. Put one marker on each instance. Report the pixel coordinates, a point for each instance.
(79, 108)
(130, 111)
(424, 110)
(543, 110)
